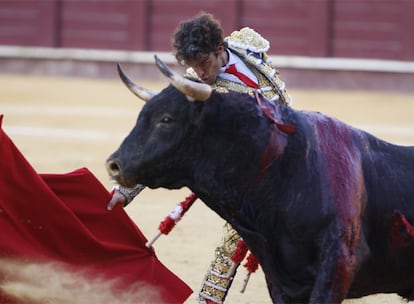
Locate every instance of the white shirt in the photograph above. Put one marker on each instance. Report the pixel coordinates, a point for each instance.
(240, 66)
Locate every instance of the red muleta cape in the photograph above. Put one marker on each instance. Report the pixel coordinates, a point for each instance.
(63, 218)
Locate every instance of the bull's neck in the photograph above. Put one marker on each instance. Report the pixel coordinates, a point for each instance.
(230, 180)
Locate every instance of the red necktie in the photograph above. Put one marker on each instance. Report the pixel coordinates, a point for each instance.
(245, 79)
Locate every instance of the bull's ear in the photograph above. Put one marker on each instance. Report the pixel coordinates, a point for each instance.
(193, 90)
(141, 92)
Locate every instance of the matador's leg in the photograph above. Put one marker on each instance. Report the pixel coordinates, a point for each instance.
(218, 280)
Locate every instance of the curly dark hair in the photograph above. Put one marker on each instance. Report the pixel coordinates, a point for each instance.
(197, 37)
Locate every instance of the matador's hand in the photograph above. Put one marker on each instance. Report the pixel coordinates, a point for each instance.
(117, 198)
(124, 195)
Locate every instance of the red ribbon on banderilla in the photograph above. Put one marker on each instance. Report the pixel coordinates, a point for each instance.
(238, 256)
(173, 218)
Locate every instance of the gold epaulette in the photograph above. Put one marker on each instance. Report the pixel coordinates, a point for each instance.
(248, 39)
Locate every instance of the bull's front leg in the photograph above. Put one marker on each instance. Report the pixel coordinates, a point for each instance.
(342, 244)
(339, 256)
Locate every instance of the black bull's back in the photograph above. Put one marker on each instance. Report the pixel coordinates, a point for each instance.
(318, 208)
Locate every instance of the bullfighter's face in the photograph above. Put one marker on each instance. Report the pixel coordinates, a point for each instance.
(208, 66)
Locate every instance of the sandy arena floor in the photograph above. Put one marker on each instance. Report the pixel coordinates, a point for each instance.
(61, 124)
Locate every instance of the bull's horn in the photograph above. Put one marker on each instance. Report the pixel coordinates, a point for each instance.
(142, 93)
(193, 90)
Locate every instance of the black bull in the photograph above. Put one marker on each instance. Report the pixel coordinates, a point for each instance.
(326, 209)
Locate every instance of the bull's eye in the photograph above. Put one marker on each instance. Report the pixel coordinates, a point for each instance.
(166, 119)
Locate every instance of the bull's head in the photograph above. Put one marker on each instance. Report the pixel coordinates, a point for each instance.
(160, 129)
(188, 134)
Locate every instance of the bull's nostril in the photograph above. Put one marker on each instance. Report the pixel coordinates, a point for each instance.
(113, 168)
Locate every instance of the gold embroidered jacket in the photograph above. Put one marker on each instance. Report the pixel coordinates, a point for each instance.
(251, 48)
